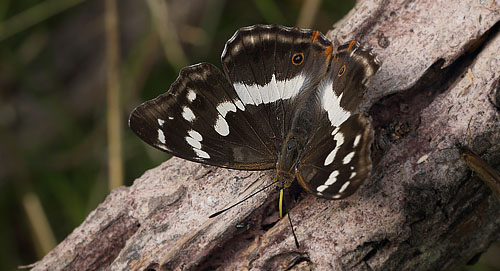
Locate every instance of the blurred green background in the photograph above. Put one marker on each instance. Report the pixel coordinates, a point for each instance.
(59, 105)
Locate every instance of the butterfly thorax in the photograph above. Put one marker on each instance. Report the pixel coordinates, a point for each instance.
(296, 140)
(287, 161)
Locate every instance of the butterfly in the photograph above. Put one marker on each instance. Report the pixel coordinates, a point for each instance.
(285, 100)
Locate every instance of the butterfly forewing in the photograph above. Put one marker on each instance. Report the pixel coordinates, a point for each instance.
(258, 62)
(200, 119)
(351, 68)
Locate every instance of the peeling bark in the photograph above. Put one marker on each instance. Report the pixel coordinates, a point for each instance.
(422, 208)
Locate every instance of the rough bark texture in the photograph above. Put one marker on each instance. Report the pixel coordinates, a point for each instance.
(422, 208)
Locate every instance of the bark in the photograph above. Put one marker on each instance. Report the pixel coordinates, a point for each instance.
(422, 208)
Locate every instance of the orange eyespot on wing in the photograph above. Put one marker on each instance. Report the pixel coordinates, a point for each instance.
(297, 58)
(341, 71)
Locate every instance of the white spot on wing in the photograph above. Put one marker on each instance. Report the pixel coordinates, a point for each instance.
(243, 93)
(356, 141)
(194, 139)
(348, 158)
(322, 188)
(226, 107)
(330, 157)
(264, 92)
(201, 153)
(352, 175)
(256, 94)
(221, 126)
(293, 86)
(336, 130)
(344, 187)
(197, 136)
(331, 103)
(191, 95)
(193, 142)
(280, 85)
(240, 105)
(188, 114)
(275, 94)
(332, 178)
(170, 118)
(161, 136)
(339, 138)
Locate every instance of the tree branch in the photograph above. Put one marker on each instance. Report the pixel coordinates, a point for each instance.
(422, 209)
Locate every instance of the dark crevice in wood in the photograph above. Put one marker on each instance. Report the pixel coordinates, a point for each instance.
(153, 267)
(373, 246)
(244, 234)
(462, 222)
(300, 261)
(495, 94)
(476, 194)
(288, 261)
(99, 253)
(474, 259)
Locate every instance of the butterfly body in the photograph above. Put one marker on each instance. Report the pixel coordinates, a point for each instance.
(286, 101)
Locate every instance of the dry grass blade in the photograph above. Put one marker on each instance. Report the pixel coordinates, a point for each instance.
(113, 93)
(33, 16)
(44, 237)
(486, 173)
(170, 44)
(308, 13)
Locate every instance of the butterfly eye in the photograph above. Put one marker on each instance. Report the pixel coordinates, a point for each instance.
(341, 71)
(297, 58)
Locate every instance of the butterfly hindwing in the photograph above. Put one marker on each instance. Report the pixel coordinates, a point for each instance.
(341, 160)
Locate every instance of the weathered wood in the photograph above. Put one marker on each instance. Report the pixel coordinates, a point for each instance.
(441, 66)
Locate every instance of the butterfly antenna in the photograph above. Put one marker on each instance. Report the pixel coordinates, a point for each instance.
(241, 201)
(281, 203)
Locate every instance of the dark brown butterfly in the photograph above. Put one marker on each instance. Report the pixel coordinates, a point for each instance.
(286, 100)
